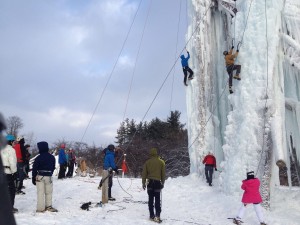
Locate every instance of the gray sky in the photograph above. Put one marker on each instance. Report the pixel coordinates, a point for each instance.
(56, 58)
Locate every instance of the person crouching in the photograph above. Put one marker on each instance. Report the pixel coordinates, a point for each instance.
(42, 171)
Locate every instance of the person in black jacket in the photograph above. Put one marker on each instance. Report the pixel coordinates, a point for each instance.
(42, 171)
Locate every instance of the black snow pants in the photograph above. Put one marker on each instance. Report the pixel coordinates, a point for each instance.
(153, 190)
(187, 69)
(230, 70)
(209, 170)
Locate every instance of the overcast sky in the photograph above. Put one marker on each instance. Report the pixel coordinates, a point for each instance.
(57, 56)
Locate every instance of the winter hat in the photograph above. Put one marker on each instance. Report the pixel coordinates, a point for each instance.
(250, 175)
(43, 146)
(10, 137)
(27, 146)
(111, 147)
(62, 145)
(20, 138)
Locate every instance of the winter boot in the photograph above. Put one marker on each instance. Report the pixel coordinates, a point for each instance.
(191, 78)
(157, 219)
(185, 84)
(263, 223)
(51, 209)
(15, 210)
(152, 218)
(237, 221)
(230, 90)
(237, 76)
(111, 199)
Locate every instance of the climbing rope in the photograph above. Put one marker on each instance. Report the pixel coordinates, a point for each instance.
(113, 69)
(241, 41)
(172, 87)
(168, 74)
(135, 63)
(266, 95)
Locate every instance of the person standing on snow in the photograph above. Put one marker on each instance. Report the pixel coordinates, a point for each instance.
(186, 68)
(210, 164)
(71, 163)
(62, 160)
(21, 158)
(9, 160)
(154, 173)
(42, 171)
(251, 196)
(110, 166)
(230, 67)
(27, 159)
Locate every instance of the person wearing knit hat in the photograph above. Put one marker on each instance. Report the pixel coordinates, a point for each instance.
(251, 196)
(42, 171)
(154, 172)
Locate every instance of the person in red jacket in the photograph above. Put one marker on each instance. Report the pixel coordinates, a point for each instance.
(251, 196)
(210, 164)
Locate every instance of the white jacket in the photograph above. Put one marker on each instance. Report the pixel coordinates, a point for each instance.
(9, 158)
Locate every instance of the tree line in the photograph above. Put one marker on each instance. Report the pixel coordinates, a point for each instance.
(135, 139)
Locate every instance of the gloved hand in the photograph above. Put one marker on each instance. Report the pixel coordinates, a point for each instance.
(116, 170)
(33, 180)
(216, 169)
(161, 186)
(144, 186)
(237, 50)
(232, 47)
(188, 52)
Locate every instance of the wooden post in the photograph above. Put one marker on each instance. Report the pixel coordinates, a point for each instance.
(105, 187)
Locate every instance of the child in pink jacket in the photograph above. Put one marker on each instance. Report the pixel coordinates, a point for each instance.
(251, 196)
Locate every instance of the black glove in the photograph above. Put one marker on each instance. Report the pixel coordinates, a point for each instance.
(144, 186)
(116, 170)
(237, 50)
(216, 169)
(232, 47)
(33, 180)
(188, 52)
(161, 186)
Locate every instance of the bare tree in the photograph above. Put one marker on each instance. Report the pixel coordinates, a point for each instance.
(14, 124)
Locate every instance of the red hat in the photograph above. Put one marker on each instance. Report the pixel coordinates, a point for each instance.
(62, 145)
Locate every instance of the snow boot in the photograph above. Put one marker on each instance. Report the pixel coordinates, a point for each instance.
(191, 78)
(20, 193)
(237, 76)
(111, 199)
(152, 218)
(263, 223)
(157, 219)
(51, 209)
(230, 90)
(237, 221)
(15, 210)
(185, 84)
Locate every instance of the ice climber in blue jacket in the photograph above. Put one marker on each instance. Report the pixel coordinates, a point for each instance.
(186, 68)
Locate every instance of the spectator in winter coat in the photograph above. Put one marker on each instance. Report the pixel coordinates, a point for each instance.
(230, 67)
(210, 164)
(72, 160)
(27, 159)
(9, 160)
(21, 155)
(42, 172)
(109, 165)
(251, 196)
(186, 68)
(155, 174)
(62, 160)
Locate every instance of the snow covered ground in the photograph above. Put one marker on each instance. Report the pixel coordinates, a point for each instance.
(185, 200)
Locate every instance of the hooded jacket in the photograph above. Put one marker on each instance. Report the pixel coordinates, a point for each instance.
(109, 160)
(251, 191)
(184, 61)
(9, 159)
(154, 168)
(62, 159)
(44, 164)
(210, 160)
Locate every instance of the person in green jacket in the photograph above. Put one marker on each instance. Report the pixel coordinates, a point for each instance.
(155, 173)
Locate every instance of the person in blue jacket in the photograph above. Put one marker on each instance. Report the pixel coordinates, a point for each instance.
(186, 68)
(42, 171)
(109, 164)
(63, 163)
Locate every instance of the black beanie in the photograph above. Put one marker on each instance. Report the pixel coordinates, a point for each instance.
(250, 175)
(43, 146)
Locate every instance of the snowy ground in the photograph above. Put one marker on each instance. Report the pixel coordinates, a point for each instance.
(185, 200)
